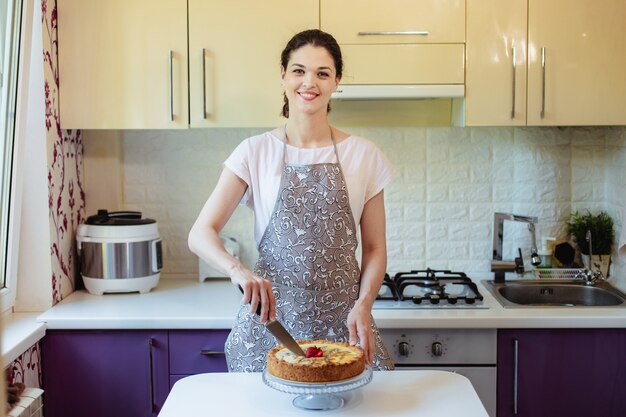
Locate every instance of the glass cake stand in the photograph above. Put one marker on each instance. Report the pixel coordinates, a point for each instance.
(319, 396)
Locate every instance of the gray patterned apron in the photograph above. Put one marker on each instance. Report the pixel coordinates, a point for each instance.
(308, 252)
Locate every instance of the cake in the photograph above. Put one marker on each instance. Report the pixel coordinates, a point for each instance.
(325, 362)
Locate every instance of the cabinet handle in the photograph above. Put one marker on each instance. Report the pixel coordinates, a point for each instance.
(171, 58)
(515, 373)
(543, 82)
(204, 112)
(514, 67)
(152, 405)
(211, 353)
(419, 33)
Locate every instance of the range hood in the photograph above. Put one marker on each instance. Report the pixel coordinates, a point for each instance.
(398, 91)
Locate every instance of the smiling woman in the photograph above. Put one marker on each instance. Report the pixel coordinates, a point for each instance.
(10, 18)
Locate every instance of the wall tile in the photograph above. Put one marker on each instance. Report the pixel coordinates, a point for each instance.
(440, 205)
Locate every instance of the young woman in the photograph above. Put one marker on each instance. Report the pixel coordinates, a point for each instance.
(310, 186)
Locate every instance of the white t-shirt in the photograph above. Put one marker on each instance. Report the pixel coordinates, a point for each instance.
(258, 161)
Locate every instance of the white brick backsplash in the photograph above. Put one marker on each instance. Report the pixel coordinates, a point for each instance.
(481, 212)
(438, 193)
(437, 231)
(448, 174)
(445, 251)
(438, 212)
(404, 231)
(414, 212)
(503, 192)
(588, 174)
(470, 192)
(479, 231)
(439, 207)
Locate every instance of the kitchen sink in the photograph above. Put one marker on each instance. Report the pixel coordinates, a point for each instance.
(555, 293)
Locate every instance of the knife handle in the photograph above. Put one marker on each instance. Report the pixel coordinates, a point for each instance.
(258, 309)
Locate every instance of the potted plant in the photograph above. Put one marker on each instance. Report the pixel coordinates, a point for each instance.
(602, 237)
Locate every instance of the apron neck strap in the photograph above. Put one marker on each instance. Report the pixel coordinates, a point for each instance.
(332, 137)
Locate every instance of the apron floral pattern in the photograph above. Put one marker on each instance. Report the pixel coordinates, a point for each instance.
(308, 252)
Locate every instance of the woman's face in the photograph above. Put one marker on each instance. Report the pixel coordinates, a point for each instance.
(309, 79)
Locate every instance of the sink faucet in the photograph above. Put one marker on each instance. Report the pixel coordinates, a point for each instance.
(588, 274)
(500, 266)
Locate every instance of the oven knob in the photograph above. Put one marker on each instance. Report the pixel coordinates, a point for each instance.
(403, 348)
(436, 349)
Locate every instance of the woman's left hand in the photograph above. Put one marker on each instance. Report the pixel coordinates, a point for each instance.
(360, 328)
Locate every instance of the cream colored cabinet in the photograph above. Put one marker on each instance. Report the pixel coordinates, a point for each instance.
(397, 41)
(572, 57)
(122, 64)
(234, 58)
(576, 62)
(394, 21)
(495, 89)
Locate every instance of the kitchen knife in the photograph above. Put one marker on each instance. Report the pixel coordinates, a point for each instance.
(280, 333)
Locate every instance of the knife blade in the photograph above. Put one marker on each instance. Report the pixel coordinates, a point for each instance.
(280, 333)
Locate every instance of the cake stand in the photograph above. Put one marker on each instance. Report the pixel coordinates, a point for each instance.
(319, 396)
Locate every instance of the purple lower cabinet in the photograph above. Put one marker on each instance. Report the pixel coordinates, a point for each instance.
(105, 373)
(562, 372)
(196, 351)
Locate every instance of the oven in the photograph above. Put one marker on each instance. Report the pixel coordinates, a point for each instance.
(469, 352)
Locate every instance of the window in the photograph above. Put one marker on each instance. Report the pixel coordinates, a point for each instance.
(10, 18)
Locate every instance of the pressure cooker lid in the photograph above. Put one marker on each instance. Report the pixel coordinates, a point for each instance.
(117, 218)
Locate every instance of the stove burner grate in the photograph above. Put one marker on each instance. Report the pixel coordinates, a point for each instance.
(432, 286)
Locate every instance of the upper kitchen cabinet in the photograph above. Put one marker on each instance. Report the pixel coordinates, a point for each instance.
(123, 64)
(495, 91)
(397, 41)
(234, 58)
(571, 54)
(394, 21)
(576, 61)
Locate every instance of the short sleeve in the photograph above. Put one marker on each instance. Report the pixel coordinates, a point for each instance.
(382, 173)
(239, 163)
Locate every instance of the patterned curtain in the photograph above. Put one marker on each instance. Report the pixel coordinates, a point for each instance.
(26, 369)
(66, 196)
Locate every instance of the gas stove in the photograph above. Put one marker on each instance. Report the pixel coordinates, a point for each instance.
(429, 289)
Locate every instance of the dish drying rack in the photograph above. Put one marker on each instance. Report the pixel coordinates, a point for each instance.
(557, 273)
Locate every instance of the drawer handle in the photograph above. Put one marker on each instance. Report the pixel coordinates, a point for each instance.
(514, 68)
(543, 82)
(211, 353)
(515, 374)
(171, 59)
(152, 405)
(204, 112)
(419, 33)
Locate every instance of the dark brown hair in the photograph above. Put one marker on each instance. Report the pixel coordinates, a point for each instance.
(313, 37)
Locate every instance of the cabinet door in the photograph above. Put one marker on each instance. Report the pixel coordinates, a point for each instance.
(403, 64)
(394, 21)
(562, 372)
(123, 64)
(234, 58)
(104, 373)
(495, 84)
(580, 47)
(197, 351)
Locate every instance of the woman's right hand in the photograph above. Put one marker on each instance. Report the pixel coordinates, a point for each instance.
(256, 290)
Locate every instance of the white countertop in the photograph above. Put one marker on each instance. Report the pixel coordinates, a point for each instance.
(20, 331)
(212, 304)
(390, 393)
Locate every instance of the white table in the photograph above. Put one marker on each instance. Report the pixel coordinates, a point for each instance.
(391, 393)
